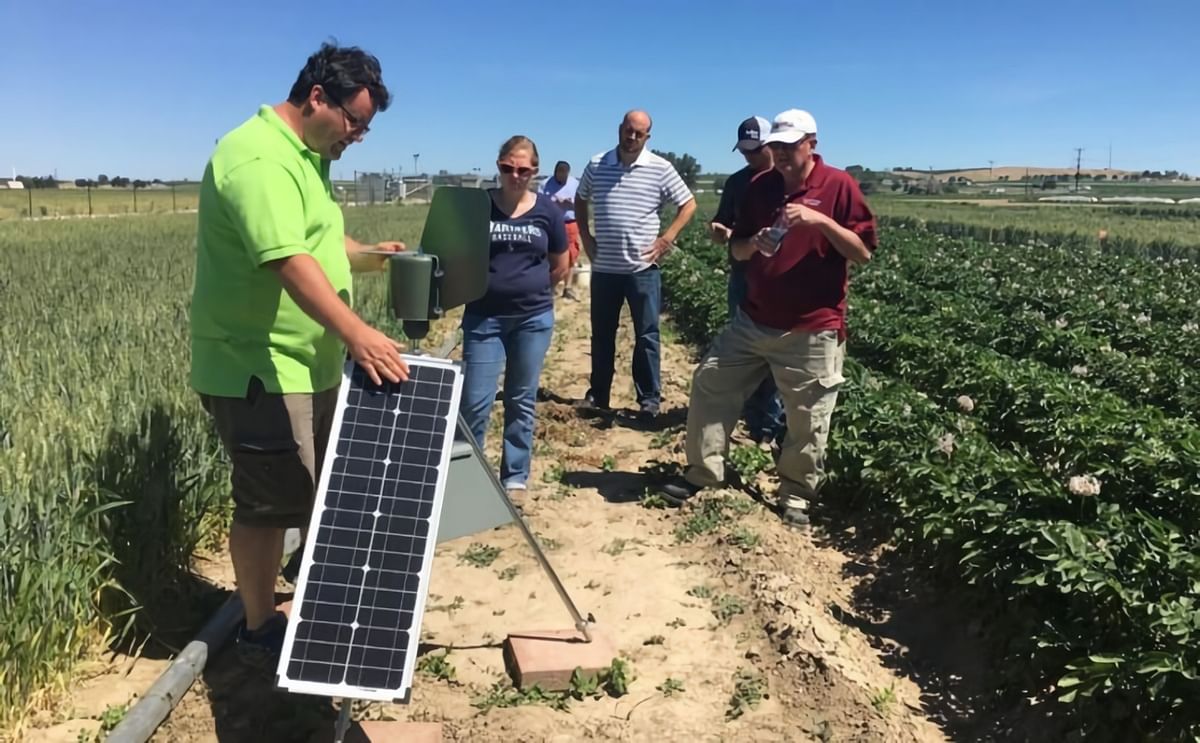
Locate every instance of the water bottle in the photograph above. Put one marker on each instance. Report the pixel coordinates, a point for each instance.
(775, 233)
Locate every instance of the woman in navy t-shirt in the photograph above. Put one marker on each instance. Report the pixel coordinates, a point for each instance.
(508, 329)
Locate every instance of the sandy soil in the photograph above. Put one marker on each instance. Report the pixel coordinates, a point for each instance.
(831, 670)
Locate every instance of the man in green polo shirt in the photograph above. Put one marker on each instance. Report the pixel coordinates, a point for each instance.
(271, 321)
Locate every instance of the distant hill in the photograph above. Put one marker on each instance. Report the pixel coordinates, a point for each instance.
(1004, 173)
(1013, 173)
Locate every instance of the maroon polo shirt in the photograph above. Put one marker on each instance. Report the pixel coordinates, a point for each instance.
(803, 286)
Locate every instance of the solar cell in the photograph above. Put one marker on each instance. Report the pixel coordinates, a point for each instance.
(356, 615)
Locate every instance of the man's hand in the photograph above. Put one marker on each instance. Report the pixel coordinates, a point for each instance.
(364, 262)
(377, 354)
(799, 214)
(657, 249)
(589, 245)
(719, 233)
(764, 242)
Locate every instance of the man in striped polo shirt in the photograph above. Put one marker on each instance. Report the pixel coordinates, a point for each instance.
(629, 185)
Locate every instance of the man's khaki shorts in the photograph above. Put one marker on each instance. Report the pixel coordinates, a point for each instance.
(277, 445)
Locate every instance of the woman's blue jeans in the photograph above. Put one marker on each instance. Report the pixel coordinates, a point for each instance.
(515, 347)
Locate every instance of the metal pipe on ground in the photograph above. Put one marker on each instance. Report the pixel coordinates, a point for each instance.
(149, 712)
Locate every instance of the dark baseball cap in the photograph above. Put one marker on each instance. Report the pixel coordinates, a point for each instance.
(751, 134)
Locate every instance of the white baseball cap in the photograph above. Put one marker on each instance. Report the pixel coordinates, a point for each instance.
(791, 126)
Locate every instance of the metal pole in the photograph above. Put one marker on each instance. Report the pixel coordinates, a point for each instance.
(135, 199)
(581, 624)
(89, 190)
(343, 722)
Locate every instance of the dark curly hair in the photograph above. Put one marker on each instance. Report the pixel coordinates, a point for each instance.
(341, 72)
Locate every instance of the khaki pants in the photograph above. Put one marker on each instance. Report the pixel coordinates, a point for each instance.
(807, 368)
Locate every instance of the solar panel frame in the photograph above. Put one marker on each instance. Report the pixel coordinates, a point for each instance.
(312, 593)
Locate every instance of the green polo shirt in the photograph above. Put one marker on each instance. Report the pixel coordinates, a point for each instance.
(264, 196)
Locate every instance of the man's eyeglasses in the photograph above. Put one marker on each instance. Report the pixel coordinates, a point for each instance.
(356, 124)
(521, 171)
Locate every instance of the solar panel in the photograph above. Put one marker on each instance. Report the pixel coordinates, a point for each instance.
(356, 615)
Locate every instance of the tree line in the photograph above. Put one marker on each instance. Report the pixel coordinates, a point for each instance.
(117, 181)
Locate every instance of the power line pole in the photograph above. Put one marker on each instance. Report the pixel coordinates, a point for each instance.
(1078, 160)
(990, 164)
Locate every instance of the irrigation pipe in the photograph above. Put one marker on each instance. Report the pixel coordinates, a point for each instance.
(140, 722)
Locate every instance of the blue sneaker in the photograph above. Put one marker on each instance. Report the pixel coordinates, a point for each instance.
(262, 647)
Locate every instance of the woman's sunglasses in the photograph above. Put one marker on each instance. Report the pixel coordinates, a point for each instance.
(522, 171)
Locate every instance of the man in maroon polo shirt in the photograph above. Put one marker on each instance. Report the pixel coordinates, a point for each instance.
(800, 226)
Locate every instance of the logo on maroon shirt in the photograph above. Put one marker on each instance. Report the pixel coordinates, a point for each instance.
(810, 202)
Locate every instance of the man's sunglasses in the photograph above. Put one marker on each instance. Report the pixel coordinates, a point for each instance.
(785, 146)
(522, 171)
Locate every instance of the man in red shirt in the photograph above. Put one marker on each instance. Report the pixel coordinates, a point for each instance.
(800, 226)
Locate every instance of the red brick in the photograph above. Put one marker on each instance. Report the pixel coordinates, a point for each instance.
(548, 658)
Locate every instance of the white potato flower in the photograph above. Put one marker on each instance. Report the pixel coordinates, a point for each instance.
(1084, 485)
(946, 444)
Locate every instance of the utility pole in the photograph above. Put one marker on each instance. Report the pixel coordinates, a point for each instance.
(1078, 159)
(1027, 184)
(990, 164)
(416, 169)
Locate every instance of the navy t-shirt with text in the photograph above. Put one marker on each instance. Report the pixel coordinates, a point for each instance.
(519, 273)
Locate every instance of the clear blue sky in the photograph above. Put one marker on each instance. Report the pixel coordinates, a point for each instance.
(143, 89)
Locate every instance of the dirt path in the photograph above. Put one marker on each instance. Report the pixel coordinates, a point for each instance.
(749, 597)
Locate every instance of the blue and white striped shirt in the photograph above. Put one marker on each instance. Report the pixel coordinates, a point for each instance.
(626, 201)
